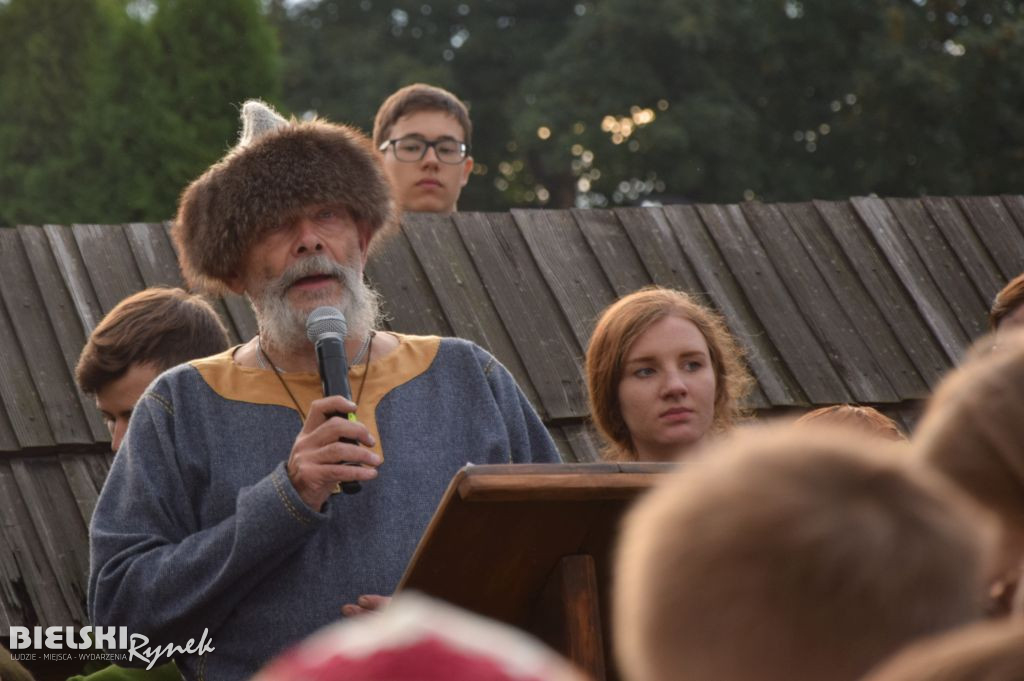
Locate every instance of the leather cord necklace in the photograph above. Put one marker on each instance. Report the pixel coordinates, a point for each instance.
(367, 349)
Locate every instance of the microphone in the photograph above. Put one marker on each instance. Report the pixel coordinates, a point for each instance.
(326, 329)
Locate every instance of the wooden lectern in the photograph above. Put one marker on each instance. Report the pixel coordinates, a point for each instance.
(530, 545)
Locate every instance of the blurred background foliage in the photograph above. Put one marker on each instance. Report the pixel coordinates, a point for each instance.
(109, 107)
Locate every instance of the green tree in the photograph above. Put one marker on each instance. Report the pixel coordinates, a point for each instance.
(613, 101)
(343, 59)
(126, 143)
(111, 106)
(47, 52)
(214, 56)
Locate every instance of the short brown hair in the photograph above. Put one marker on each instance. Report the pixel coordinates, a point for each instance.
(973, 428)
(627, 319)
(990, 651)
(862, 418)
(159, 326)
(1007, 300)
(793, 554)
(414, 98)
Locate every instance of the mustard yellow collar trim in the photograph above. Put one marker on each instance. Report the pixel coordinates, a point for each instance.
(412, 357)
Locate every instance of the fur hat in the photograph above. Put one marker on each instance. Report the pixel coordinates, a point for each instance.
(277, 169)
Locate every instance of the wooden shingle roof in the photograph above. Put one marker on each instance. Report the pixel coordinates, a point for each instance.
(868, 300)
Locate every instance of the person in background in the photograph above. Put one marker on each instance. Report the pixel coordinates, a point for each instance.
(1008, 308)
(793, 554)
(424, 135)
(10, 669)
(420, 639)
(989, 651)
(141, 337)
(972, 432)
(860, 418)
(663, 374)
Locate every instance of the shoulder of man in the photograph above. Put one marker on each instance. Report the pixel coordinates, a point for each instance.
(467, 350)
(168, 387)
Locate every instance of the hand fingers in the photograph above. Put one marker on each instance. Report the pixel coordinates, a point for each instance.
(333, 430)
(342, 473)
(321, 409)
(340, 452)
(365, 604)
(325, 473)
(320, 477)
(338, 427)
(373, 601)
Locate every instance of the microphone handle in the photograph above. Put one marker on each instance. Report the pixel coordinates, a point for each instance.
(352, 486)
(330, 357)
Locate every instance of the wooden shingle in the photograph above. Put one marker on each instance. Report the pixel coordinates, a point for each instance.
(779, 385)
(539, 330)
(884, 286)
(850, 293)
(870, 300)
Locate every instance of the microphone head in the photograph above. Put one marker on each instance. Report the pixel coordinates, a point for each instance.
(325, 321)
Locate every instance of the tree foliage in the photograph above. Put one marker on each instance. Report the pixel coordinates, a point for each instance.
(615, 101)
(110, 106)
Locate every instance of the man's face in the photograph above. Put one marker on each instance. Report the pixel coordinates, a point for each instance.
(117, 399)
(427, 185)
(315, 260)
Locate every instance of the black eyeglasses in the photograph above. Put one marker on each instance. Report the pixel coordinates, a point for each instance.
(413, 148)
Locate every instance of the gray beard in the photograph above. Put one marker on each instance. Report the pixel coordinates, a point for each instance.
(282, 325)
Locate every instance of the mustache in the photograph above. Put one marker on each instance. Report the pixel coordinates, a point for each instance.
(316, 265)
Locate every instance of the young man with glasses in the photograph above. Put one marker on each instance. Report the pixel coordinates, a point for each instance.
(424, 134)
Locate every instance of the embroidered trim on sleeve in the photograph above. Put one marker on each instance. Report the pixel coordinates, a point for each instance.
(284, 497)
(162, 401)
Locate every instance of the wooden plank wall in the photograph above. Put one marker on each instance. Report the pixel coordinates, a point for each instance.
(868, 300)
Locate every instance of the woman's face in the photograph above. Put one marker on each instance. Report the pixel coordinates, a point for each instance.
(667, 391)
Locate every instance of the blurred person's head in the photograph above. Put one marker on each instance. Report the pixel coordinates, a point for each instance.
(856, 417)
(973, 432)
(424, 134)
(142, 336)
(990, 651)
(1008, 308)
(793, 554)
(419, 639)
(663, 372)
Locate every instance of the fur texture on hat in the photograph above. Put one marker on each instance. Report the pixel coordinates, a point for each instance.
(277, 169)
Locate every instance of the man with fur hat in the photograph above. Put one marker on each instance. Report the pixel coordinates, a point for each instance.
(218, 513)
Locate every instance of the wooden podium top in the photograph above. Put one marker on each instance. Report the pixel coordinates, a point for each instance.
(500, 530)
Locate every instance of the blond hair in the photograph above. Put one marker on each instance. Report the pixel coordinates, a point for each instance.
(792, 554)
